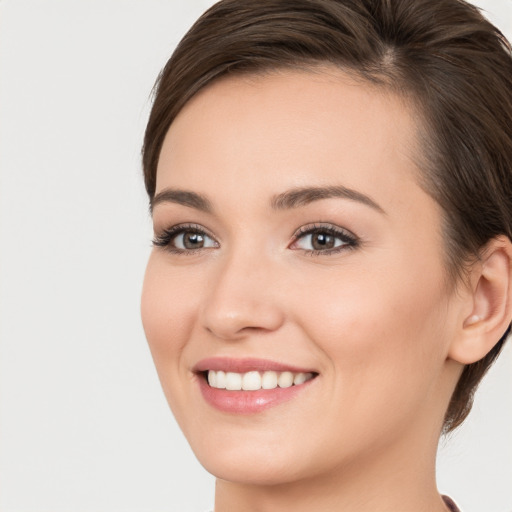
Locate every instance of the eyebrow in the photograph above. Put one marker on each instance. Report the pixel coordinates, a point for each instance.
(183, 197)
(294, 198)
(297, 197)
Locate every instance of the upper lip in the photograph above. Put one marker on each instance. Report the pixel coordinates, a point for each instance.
(246, 365)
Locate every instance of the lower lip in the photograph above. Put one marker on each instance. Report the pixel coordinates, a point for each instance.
(248, 402)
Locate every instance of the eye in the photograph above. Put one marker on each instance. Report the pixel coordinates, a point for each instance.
(325, 239)
(184, 239)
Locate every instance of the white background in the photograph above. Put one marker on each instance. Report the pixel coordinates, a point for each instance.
(84, 425)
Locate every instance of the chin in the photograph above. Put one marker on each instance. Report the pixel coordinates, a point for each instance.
(251, 472)
(252, 459)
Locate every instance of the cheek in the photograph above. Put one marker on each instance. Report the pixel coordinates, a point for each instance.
(383, 335)
(167, 306)
(170, 299)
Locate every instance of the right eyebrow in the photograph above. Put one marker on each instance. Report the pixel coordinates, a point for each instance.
(183, 197)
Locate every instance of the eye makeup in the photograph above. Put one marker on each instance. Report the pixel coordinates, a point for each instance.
(181, 238)
(324, 239)
(333, 239)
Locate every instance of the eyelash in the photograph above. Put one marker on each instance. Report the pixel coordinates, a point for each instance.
(165, 238)
(350, 241)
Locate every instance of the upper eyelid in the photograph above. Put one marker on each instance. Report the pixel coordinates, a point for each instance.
(305, 229)
(326, 226)
(178, 228)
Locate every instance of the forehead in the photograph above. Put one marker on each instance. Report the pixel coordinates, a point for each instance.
(288, 128)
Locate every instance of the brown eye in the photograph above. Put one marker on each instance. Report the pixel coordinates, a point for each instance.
(192, 240)
(320, 241)
(184, 239)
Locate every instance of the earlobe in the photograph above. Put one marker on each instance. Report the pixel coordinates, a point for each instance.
(491, 303)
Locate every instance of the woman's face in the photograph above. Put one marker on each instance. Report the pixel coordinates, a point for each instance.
(292, 237)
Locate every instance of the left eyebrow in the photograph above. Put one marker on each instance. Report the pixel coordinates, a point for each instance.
(298, 197)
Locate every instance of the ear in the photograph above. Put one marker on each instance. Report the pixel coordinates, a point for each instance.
(489, 303)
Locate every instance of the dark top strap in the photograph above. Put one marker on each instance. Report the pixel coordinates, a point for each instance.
(450, 504)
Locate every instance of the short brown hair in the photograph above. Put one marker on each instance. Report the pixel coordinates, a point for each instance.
(454, 64)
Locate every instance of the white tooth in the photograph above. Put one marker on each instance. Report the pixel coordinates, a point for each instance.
(285, 379)
(212, 378)
(220, 380)
(251, 381)
(299, 378)
(233, 381)
(269, 380)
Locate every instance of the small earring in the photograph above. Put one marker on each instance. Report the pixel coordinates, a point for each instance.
(473, 319)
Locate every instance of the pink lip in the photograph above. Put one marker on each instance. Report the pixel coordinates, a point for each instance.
(246, 402)
(228, 364)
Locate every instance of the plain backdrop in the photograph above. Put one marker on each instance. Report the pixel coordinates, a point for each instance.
(83, 423)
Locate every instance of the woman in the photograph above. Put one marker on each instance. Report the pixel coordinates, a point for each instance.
(330, 185)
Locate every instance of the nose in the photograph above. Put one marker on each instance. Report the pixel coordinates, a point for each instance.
(242, 298)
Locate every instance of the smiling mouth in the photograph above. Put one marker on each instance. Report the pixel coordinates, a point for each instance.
(255, 380)
(250, 385)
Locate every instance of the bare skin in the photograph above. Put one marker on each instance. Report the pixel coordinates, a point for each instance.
(371, 312)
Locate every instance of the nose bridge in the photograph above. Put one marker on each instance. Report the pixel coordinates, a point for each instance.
(241, 296)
